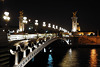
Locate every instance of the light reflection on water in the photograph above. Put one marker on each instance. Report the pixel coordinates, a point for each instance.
(78, 57)
(81, 58)
(93, 58)
(70, 59)
(32, 59)
(50, 61)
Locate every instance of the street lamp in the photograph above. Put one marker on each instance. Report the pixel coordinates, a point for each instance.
(56, 30)
(49, 25)
(25, 20)
(6, 18)
(53, 26)
(65, 30)
(44, 25)
(29, 20)
(60, 33)
(36, 24)
(56, 27)
(60, 28)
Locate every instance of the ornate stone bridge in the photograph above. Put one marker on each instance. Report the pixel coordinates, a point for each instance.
(35, 46)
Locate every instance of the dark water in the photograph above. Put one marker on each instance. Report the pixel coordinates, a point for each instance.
(77, 57)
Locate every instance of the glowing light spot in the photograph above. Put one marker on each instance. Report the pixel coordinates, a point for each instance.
(44, 50)
(50, 61)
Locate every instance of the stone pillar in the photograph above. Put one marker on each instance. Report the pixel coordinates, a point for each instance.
(16, 58)
(21, 24)
(30, 49)
(24, 54)
(74, 24)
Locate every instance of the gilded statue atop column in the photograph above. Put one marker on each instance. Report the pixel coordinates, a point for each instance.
(21, 13)
(74, 14)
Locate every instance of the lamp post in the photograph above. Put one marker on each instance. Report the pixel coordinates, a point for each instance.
(53, 26)
(59, 28)
(24, 22)
(44, 25)
(56, 27)
(49, 25)
(56, 30)
(6, 18)
(36, 24)
(60, 33)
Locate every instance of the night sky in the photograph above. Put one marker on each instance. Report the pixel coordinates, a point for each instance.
(56, 12)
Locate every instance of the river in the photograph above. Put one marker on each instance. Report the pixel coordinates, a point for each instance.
(71, 57)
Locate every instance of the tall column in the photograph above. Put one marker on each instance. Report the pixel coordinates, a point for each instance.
(16, 58)
(24, 54)
(21, 24)
(74, 22)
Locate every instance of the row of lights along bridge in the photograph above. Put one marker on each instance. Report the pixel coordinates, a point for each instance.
(6, 17)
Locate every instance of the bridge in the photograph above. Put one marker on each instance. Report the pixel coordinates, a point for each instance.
(34, 46)
(38, 40)
(32, 37)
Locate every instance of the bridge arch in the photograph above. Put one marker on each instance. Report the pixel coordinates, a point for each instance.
(32, 54)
